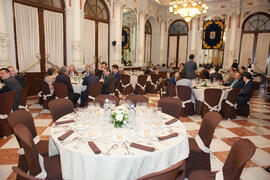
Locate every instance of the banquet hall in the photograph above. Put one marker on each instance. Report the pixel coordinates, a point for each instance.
(135, 89)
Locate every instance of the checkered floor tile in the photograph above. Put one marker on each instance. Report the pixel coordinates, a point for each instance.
(256, 128)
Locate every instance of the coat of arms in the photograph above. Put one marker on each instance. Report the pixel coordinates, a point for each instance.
(212, 35)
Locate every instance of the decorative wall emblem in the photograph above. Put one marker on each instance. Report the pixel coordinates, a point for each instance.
(212, 35)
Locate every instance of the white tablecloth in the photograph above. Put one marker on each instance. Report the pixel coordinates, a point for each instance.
(82, 163)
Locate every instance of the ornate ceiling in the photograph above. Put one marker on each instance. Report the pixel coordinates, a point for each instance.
(167, 2)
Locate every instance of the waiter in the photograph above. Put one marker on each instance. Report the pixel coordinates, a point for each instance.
(250, 67)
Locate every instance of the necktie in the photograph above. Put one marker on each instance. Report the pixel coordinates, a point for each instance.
(233, 83)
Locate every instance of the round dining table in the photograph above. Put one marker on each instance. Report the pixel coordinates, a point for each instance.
(121, 156)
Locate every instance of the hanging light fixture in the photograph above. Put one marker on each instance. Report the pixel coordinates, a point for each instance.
(188, 8)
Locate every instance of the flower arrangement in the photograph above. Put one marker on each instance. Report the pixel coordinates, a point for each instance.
(119, 117)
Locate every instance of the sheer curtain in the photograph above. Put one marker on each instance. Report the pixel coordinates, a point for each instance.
(54, 37)
(147, 52)
(182, 56)
(262, 52)
(27, 32)
(172, 49)
(103, 41)
(246, 49)
(89, 41)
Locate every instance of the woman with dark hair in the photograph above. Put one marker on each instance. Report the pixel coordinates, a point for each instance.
(184, 81)
(244, 94)
(50, 78)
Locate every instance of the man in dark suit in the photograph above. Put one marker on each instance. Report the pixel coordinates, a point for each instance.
(106, 81)
(216, 75)
(244, 95)
(72, 72)
(88, 80)
(12, 84)
(100, 72)
(86, 72)
(204, 74)
(190, 67)
(64, 78)
(236, 82)
(19, 78)
(116, 74)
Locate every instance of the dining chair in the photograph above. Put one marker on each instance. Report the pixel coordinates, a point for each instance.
(141, 85)
(170, 106)
(101, 99)
(162, 75)
(60, 90)
(124, 86)
(240, 153)
(171, 89)
(111, 87)
(7, 100)
(50, 167)
(94, 90)
(212, 98)
(46, 94)
(60, 108)
(24, 175)
(229, 106)
(137, 99)
(174, 172)
(152, 86)
(184, 94)
(200, 158)
(23, 98)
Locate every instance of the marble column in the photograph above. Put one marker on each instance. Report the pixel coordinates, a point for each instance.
(231, 46)
(140, 40)
(193, 36)
(69, 32)
(163, 44)
(4, 38)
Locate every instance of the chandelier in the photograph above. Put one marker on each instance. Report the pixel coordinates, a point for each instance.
(188, 8)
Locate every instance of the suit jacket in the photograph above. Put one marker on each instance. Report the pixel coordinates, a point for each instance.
(106, 84)
(117, 76)
(89, 80)
(20, 80)
(244, 95)
(204, 74)
(62, 78)
(239, 84)
(14, 85)
(75, 73)
(190, 68)
(216, 76)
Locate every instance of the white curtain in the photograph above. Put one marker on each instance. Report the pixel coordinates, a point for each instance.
(262, 52)
(54, 37)
(103, 40)
(182, 56)
(27, 32)
(172, 49)
(89, 42)
(147, 52)
(246, 49)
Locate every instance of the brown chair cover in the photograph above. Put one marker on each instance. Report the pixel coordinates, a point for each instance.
(125, 80)
(60, 107)
(212, 97)
(152, 86)
(94, 90)
(171, 89)
(137, 99)
(60, 90)
(184, 94)
(197, 158)
(175, 171)
(23, 96)
(163, 75)
(47, 97)
(7, 100)
(241, 152)
(227, 110)
(243, 110)
(101, 99)
(52, 164)
(24, 175)
(170, 106)
(142, 81)
(112, 87)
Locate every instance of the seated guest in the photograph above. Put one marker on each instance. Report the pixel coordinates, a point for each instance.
(86, 71)
(50, 78)
(155, 70)
(242, 70)
(204, 74)
(158, 67)
(63, 77)
(181, 67)
(108, 78)
(170, 68)
(12, 84)
(72, 72)
(116, 74)
(100, 72)
(3, 88)
(216, 75)
(183, 80)
(19, 78)
(163, 68)
(175, 78)
(129, 63)
(235, 65)
(244, 95)
(88, 80)
(236, 82)
(149, 68)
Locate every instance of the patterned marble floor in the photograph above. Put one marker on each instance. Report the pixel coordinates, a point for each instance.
(256, 128)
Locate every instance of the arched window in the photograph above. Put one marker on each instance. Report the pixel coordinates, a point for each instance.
(46, 4)
(178, 27)
(147, 41)
(257, 22)
(148, 28)
(97, 10)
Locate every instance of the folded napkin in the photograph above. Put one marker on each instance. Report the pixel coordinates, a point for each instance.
(171, 121)
(64, 122)
(94, 147)
(66, 135)
(168, 136)
(142, 147)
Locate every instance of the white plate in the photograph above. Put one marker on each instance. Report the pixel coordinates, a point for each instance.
(117, 140)
(145, 135)
(95, 136)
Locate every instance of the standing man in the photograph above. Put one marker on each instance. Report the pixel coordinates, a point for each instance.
(250, 67)
(116, 74)
(190, 67)
(19, 78)
(12, 84)
(244, 95)
(108, 78)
